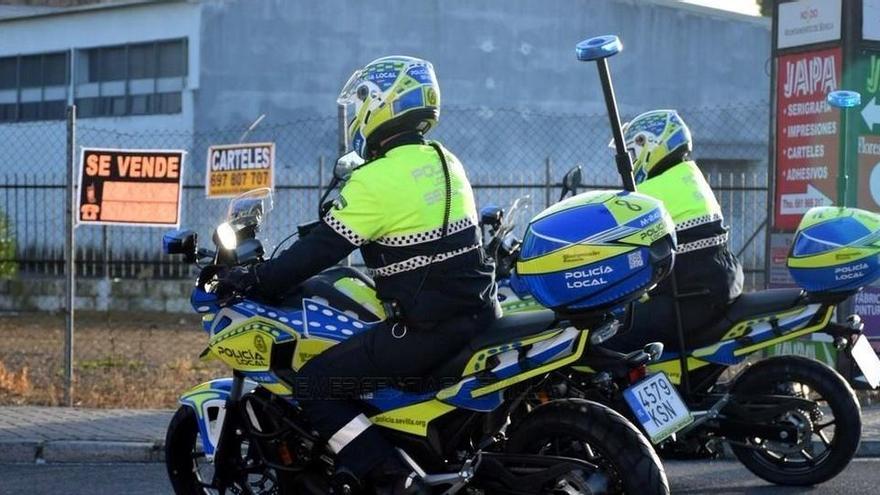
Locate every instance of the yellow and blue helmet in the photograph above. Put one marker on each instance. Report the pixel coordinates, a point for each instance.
(388, 96)
(655, 138)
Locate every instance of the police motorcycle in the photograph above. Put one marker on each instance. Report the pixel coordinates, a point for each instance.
(789, 420)
(245, 433)
(612, 371)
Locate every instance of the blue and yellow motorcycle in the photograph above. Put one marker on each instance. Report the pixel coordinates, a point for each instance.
(789, 420)
(470, 432)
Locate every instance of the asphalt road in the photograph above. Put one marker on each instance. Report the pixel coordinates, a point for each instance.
(719, 478)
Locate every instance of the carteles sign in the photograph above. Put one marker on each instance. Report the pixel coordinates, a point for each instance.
(807, 22)
(130, 187)
(238, 168)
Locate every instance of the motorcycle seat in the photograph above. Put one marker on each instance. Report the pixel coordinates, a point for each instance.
(763, 302)
(745, 307)
(507, 329)
(513, 327)
(751, 305)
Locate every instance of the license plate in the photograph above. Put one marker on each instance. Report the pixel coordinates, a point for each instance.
(658, 407)
(867, 361)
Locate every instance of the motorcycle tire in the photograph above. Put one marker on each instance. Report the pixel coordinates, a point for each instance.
(620, 447)
(762, 377)
(180, 458)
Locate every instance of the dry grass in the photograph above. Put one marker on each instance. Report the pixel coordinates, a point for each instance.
(131, 360)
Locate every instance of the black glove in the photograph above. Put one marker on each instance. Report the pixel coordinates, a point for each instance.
(237, 280)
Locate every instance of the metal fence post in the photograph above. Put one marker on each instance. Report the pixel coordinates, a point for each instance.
(548, 183)
(70, 255)
(320, 180)
(105, 246)
(342, 129)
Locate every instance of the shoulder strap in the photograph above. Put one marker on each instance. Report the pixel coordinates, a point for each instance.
(446, 213)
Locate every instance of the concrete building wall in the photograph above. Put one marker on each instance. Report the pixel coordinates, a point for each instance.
(88, 28)
(289, 61)
(38, 147)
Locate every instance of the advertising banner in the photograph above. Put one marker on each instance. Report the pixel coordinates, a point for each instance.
(807, 131)
(238, 168)
(807, 22)
(871, 20)
(868, 124)
(866, 304)
(130, 187)
(780, 277)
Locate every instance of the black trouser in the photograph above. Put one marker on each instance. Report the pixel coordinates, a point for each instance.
(336, 377)
(714, 273)
(654, 321)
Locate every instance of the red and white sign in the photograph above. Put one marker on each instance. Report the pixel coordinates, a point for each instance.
(807, 22)
(807, 130)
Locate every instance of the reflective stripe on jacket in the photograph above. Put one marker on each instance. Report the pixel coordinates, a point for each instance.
(393, 209)
(691, 203)
(703, 261)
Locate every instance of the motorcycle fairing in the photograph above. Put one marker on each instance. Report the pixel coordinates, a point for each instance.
(208, 402)
(244, 335)
(753, 335)
(484, 392)
(363, 294)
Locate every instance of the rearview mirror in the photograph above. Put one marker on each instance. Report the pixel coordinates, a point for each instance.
(491, 216)
(180, 242)
(571, 181)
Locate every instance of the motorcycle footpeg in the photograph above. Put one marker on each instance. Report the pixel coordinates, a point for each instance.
(345, 483)
(637, 358)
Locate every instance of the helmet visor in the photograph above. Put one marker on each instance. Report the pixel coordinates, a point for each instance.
(349, 90)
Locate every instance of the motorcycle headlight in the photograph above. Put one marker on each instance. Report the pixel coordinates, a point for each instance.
(227, 236)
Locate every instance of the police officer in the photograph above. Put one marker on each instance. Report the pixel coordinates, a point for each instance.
(410, 209)
(705, 270)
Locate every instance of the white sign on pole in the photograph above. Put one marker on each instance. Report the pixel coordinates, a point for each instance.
(807, 22)
(871, 20)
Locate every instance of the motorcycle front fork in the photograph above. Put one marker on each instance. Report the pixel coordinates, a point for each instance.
(228, 451)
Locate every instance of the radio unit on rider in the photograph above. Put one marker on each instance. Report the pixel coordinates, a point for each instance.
(596, 250)
(836, 249)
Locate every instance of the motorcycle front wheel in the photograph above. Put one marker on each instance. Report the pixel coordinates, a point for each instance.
(829, 431)
(190, 472)
(594, 433)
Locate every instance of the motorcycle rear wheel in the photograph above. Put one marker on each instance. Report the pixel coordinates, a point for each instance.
(597, 434)
(779, 463)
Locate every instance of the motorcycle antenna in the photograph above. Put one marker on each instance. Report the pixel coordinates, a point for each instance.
(598, 50)
(844, 100)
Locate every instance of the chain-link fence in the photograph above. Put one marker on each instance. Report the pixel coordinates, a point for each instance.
(507, 153)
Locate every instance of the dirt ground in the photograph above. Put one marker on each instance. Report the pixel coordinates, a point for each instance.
(126, 360)
(129, 360)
